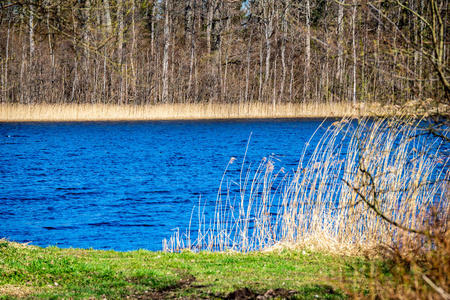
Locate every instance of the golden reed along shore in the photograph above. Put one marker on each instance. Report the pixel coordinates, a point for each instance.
(105, 112)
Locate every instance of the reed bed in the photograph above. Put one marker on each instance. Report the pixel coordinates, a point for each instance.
(367, 183)
(103, 112)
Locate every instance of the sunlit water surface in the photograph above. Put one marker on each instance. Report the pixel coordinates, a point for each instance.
(128, 185)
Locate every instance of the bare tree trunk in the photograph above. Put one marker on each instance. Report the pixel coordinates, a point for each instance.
(377, 75)
(291, 73)
(260, 96)
(247, 75)
(327, 77)
(133, 50)
(165, 74)
(152, 34)
(75, 76)
(283, 48)
(268, 14)
(121, 49)
(340, 62)
(291, 82)
(75, 81)
(22, 71)
(196, 77)
(23, 61)
(106, 21)
(157, 82)
(52, 54)
(209, 23)
(191, 66)
(226, 41)
(107, 16)
(85, 13)
(172, 88)
(218, 90)
(32, 47)
(31, 30)
(96, 67)
(354, 54)
(421, 52)
(189, 16)
(306, 90)
(5, 72)
(191, 74)
(364, 41)
(104, 75)
(394, 64)
(274, 95)
(190, 41)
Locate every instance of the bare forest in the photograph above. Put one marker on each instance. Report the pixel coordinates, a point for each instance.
(144, 52)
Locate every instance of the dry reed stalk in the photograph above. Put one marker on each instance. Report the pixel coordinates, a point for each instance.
(101, 112)
(328, 203)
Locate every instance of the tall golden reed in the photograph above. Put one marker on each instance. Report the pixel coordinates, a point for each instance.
(328, 202)
(101, 112)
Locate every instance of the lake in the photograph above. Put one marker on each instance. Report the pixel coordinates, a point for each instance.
(128, 185)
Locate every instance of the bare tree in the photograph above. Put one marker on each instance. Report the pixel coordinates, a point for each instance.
(307, 51)
(268, 10)
(354, 53)
(340, 46)
(165, 70)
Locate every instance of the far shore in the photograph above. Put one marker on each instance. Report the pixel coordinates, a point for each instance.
(190, 111)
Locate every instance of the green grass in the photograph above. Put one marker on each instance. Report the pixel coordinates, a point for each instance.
(54, 273)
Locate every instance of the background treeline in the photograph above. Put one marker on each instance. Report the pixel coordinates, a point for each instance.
(188, 51)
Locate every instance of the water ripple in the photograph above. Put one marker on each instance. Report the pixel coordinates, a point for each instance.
(126, 185)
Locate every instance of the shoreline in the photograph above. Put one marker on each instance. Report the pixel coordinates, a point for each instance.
(171, 112)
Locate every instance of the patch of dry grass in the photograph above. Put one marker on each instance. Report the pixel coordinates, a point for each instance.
(17, 291)
(100, 112)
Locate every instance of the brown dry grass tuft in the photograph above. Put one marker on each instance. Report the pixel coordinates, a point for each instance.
(421, 272)
(17, 291)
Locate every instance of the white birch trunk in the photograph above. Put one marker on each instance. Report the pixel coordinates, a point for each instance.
(307, 91)
(190, 37)
(31, 36)
(120, 52)
(340, 64)
(86, 53)
(107, 16)
(165, 71)
(51, 50)
(133, 50)
(354, 54)
(260, 96)
(268, 14)
(247, 75)
(283, 48)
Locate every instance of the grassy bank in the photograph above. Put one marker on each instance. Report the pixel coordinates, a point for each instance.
(54, 273)
(99, 112)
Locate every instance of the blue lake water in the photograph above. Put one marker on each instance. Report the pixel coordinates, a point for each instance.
(127, 185)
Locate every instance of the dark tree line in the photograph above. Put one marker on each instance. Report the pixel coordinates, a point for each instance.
(273, 51)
